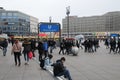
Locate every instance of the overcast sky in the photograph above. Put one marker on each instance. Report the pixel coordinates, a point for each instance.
(43, 9)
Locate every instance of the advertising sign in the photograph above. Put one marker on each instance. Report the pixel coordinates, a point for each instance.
(49, 27)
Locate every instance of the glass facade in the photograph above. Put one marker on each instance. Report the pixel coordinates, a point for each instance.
(15, 23)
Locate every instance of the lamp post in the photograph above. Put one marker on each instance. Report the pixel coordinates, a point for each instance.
(67, 13)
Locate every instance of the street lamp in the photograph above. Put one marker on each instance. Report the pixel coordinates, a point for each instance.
(67, 13)
(50, 19)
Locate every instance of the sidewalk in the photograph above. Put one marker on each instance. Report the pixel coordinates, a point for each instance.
(8, 70)
(86, 66)
(93, 66)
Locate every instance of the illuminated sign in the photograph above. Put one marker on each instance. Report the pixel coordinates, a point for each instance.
(49, 27)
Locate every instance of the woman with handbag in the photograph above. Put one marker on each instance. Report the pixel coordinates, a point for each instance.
(16, 49)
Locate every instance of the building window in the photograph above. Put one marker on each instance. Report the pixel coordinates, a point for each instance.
(14, 14)
(3, 14)
(14, 28)
(4, 19)
(4, 28)
(9, 14)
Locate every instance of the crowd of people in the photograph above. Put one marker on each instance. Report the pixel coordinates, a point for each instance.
(90, 45)
(113, 44)
(46, 48)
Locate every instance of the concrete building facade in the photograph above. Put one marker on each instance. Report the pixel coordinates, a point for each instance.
(33, 25)
(94, 25)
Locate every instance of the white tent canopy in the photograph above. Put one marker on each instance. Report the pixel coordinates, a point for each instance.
(78, 37)
(4, 36)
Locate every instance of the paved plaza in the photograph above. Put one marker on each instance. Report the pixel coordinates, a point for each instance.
(86, 66)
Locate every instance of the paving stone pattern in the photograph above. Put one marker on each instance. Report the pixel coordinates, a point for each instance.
(86, 66)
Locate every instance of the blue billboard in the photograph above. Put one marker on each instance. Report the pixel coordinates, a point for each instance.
(49, 27)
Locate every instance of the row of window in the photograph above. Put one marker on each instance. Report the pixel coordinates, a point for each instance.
(13, 14)
(17, 33)
(14, 28)
(9, 14)
(90, 29)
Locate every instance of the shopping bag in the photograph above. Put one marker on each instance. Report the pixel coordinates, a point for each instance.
(30, 54)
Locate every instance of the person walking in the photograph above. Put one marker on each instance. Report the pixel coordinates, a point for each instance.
(33, 46)
(51, 45)
(26, 49)
(40, 50)
(45, 48)
(12, 41)
(118, 46)
(5, 45)
(61, 48)
(16, 49)
(112, 45)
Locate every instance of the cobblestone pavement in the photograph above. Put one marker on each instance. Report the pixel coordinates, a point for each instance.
(86, 66)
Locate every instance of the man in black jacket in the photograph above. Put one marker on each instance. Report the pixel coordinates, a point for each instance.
(59, 69)
(5, 45)
(40, 50)
(61, 48)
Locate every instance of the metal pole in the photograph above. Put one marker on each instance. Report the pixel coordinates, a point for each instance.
(60, 33)
(68, 24)
(50, 19)
(68, 12)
